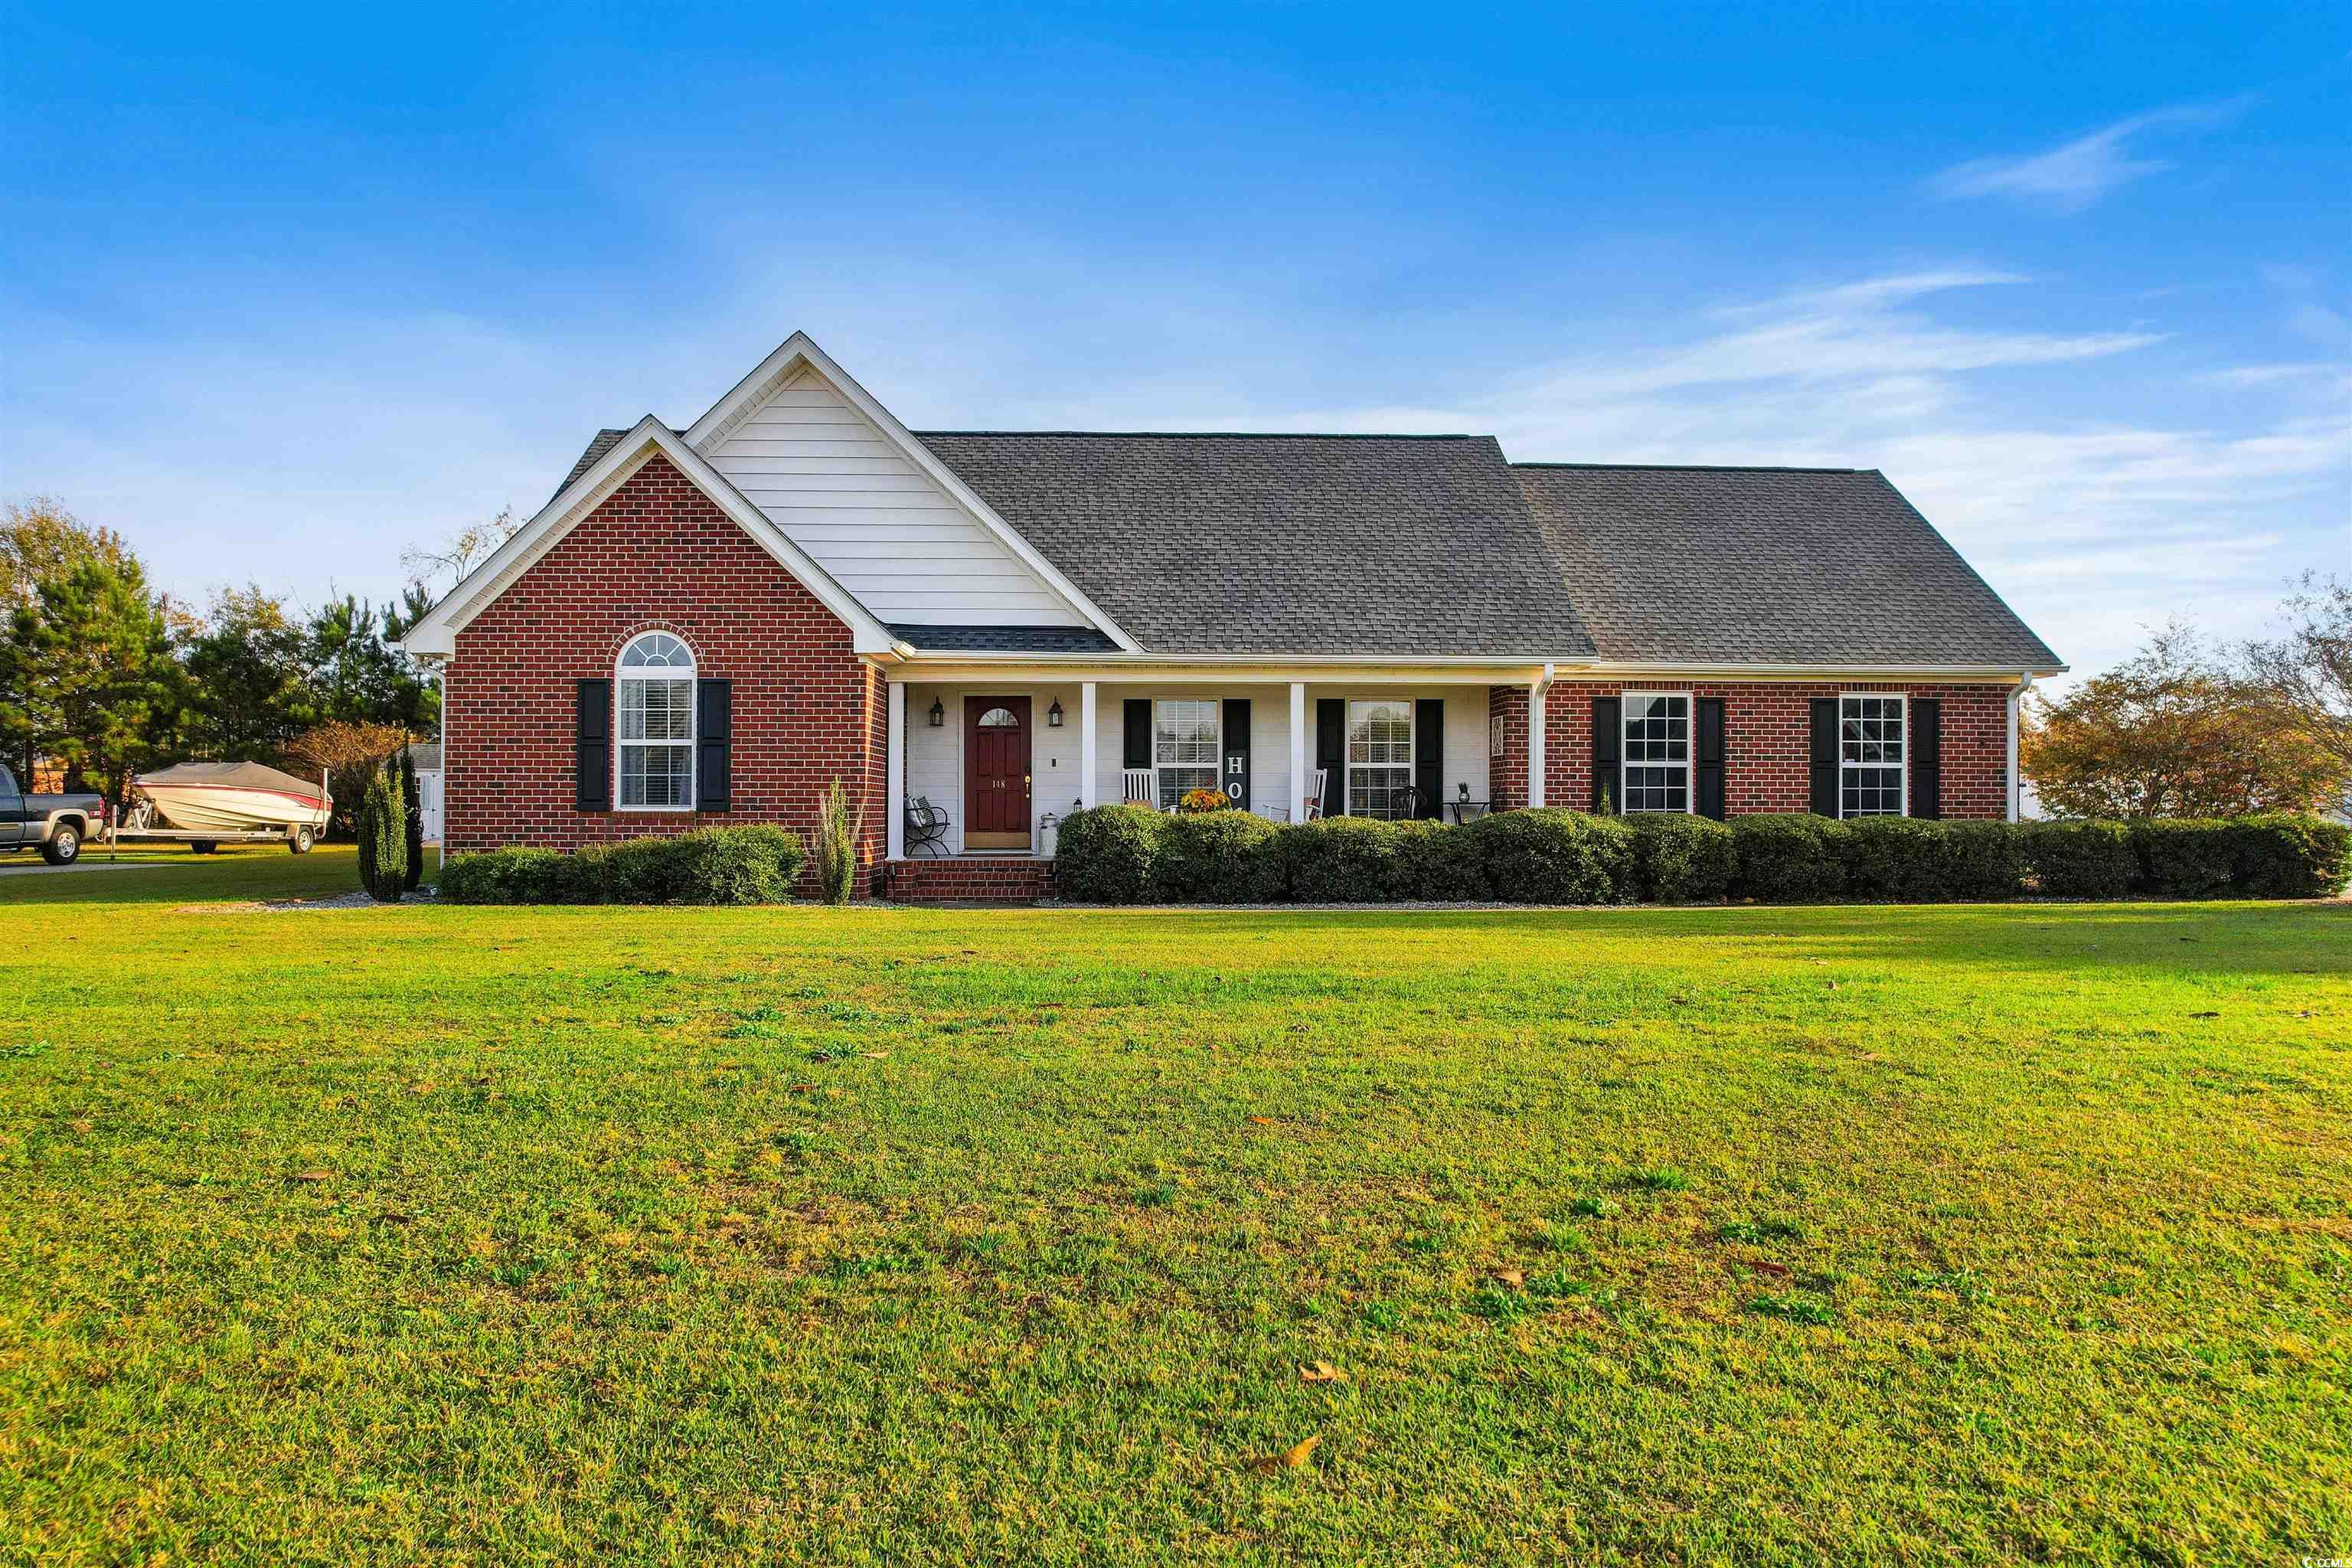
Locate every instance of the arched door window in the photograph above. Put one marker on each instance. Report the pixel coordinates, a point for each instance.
(655, 754)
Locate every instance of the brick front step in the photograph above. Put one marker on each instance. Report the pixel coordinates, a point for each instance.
(1002, 880)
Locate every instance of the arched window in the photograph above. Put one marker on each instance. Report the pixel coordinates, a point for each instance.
(999, 718)
(655, 760)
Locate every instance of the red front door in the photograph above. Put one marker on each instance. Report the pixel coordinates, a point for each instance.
(996, 772)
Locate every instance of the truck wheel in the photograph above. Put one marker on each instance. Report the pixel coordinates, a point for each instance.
(64, 847)
(203, 847)
(300, 842)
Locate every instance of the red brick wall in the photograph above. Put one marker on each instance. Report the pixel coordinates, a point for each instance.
(1506, 775)
(1766, 730)
(659, 553)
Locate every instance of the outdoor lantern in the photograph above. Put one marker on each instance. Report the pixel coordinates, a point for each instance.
(938, 713)
(1054, 715)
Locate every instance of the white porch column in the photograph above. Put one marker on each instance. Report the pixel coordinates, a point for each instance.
(1086, 743)
(1298, 779)
(1538, 699)
(895, 773)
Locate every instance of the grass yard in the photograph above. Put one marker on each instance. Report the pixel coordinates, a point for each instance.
(1744, 1236)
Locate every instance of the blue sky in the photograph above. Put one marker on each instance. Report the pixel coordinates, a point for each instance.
(289, 290)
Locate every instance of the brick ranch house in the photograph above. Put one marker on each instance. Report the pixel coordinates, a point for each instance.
(710, 625)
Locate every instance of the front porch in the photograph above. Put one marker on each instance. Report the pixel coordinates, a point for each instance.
(992, 760)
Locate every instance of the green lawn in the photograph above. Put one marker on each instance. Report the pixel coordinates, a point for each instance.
(1762, 1236)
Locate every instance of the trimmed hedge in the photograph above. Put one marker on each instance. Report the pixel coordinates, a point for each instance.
(2190, 858)
(2284, 855)
(2081, 860)
(1551, 856)
(1983, 861)
(753, 864)
(1681, 859)
(1787, 858)
(1340, 860)
(1222, 857)
(1434, 862)
(1897, 858)
(2273, 855)
(1123, 854)
(1104, 853)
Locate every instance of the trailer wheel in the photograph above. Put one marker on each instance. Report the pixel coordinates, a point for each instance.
(64, 847)
(300, 842)
(203, 847)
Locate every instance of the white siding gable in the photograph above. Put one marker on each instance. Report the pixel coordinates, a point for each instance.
(842, 491)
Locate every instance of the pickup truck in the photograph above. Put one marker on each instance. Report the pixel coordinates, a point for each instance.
(56, 823)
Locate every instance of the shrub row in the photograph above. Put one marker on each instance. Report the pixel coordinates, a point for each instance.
(754, 864)
(1125, 855)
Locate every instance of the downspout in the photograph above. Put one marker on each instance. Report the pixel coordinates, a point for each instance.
(1537, 693)
(2016, 782)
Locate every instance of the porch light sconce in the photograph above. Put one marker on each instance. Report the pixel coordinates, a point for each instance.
(1054, 715)
(938, 713)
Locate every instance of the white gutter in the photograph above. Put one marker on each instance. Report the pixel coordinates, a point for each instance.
(1266, 661)
(1354, 661)
(2016, 781)
(1538, 691)
(1851, 672)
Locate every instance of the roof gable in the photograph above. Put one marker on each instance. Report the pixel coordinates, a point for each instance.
(595, 480)
(838, 473)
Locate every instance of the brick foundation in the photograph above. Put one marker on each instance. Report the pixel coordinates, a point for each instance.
(1017, 879)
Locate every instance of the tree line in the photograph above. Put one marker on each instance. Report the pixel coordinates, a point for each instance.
(2187, 727)
(102, 677)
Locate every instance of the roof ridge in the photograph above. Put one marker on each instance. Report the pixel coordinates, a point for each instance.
(1232, 435)
(1698, 467)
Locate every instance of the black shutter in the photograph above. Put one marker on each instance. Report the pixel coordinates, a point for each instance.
(1428, 756)
(1826, 756)
(1331, 752)
(1237, 751)
(1926, 757)
(1709, 781)
(592, 761)
(1607, 752)
(1138, 734)
(714, 733)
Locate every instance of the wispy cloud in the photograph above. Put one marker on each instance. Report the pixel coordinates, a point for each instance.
(2266, 374)
(2071, 177)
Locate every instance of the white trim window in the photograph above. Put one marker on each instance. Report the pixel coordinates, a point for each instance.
(1380, 757)
(1187, 743)
(1655, 770)
(653, 763)
(1872, 778)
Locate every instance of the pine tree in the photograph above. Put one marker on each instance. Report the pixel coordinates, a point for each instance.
(384, 839)
(86, 676)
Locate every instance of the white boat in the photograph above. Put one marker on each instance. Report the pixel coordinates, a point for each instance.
(235, 797)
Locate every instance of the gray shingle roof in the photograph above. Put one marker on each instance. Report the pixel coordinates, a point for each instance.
(1434, 546)
(1401, 545)
(604, 442)
(1768, 566)
(1003, 639)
